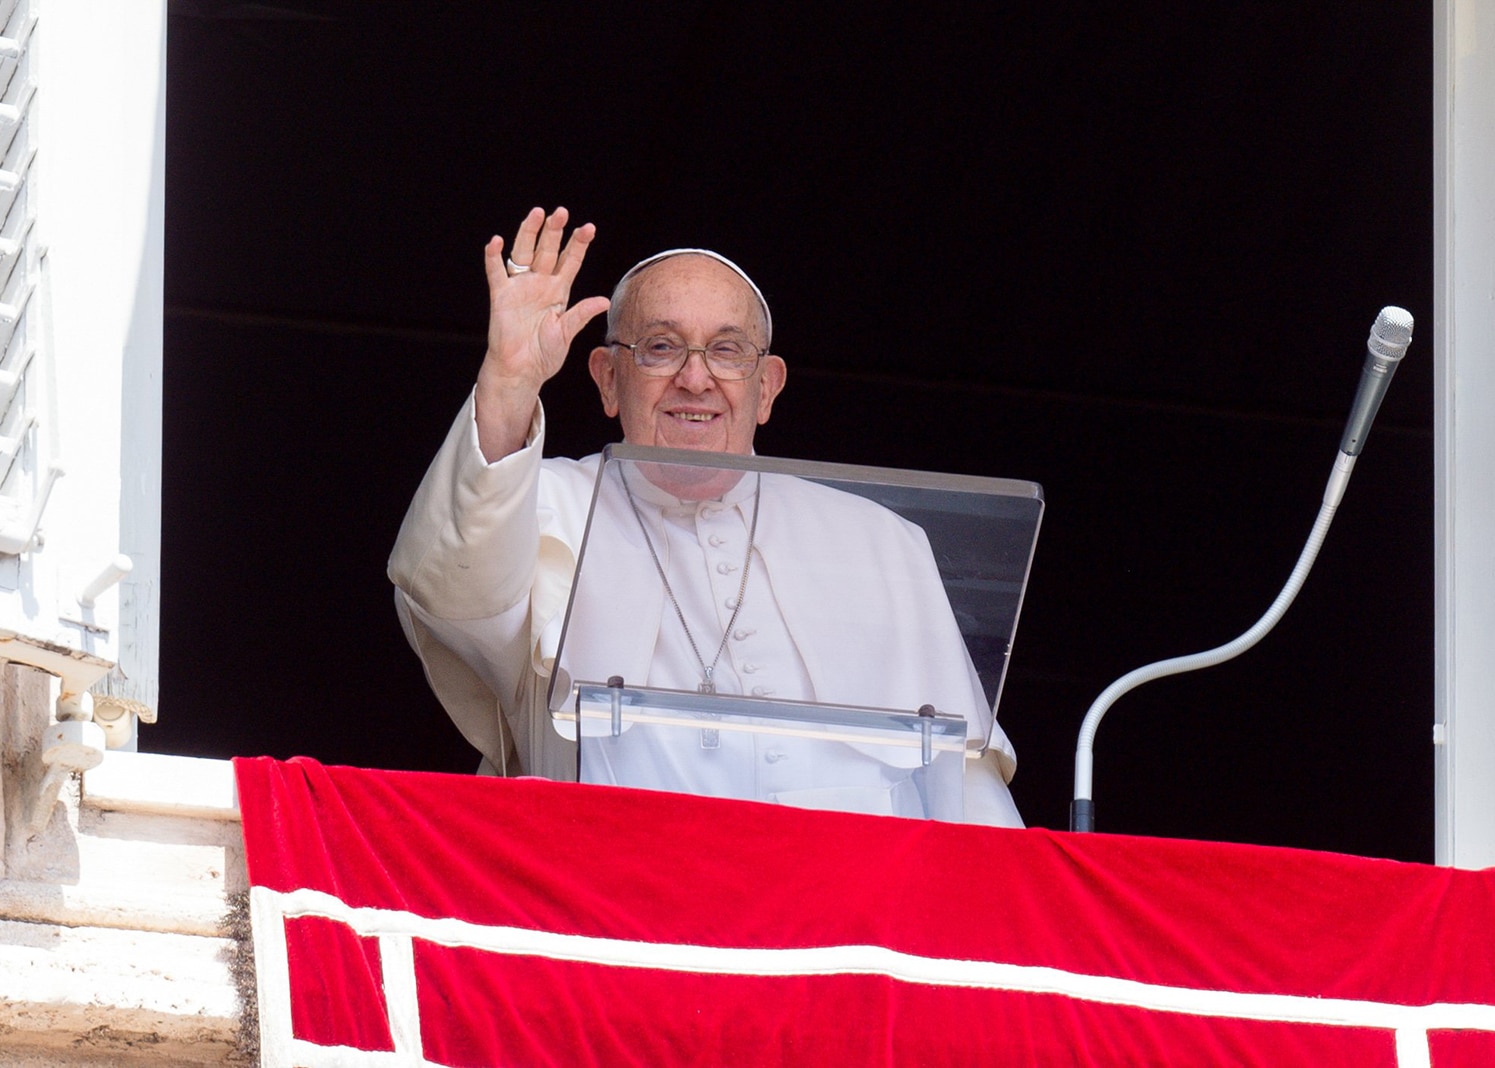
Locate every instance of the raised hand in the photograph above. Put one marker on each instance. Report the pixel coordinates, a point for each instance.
(530, 326)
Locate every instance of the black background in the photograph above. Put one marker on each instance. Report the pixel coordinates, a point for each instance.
(1131, 253)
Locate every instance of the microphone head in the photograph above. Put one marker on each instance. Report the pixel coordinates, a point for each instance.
(1391, 334)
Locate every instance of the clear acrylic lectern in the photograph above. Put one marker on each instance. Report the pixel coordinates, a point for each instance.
(803, 633)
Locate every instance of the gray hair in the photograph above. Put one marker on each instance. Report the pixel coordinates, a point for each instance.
(620, 291)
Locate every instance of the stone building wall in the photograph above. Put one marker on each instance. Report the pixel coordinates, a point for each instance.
(117, 927)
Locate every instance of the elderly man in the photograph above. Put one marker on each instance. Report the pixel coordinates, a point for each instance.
(486, 555)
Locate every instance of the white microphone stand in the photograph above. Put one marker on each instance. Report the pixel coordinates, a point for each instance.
(1389, 338)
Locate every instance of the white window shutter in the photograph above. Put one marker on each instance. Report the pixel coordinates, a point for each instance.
(82, 118)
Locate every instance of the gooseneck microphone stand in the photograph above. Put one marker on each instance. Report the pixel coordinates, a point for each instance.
(1389, 338)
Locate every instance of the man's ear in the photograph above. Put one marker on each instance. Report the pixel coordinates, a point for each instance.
(775, 372)
(605, 374)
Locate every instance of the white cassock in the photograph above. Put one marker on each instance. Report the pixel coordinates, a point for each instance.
(483, 569)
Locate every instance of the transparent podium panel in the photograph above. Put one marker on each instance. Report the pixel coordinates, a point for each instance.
(774, 628)
(879, 762)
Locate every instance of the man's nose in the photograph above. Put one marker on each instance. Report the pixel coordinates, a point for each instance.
(694, 375)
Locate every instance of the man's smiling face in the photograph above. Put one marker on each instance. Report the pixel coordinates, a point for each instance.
(696, 300)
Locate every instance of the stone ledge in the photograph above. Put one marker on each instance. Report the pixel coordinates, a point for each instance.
(163, 785)
(135, 907)
(154, 845)
(171, 994)
(106, 1047)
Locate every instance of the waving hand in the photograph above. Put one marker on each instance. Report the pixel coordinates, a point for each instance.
(530, 326)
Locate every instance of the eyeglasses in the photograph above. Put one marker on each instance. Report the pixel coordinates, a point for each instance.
(728, 359)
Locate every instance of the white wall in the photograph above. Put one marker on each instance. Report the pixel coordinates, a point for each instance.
(1464, 429)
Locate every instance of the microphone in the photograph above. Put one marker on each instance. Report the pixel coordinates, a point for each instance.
(1389, 338)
